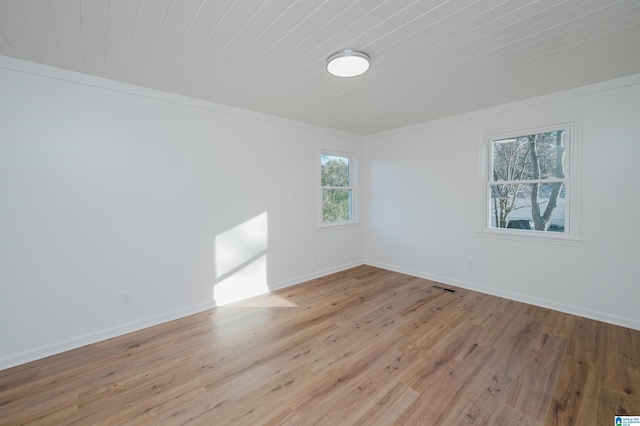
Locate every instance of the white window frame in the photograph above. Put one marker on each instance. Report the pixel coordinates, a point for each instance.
(352, 187)
(571, 235)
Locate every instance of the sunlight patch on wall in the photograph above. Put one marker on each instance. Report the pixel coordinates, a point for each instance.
(241, 261)
(248, 281)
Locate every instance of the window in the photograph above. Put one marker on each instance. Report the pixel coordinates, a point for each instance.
(336, 181)
(529, 182)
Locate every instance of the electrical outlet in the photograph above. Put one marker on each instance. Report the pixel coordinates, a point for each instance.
(472, 265)
(125, 298)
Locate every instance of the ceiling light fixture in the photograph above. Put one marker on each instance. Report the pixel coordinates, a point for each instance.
(348, 63)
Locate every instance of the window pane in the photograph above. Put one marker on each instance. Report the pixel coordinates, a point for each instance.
(511, 206)
(336, 205)
(334, 170)
(538, 156)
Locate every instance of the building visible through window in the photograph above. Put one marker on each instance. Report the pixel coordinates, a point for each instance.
(528, 184)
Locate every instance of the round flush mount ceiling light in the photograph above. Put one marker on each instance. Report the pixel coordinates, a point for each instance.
(348, 63)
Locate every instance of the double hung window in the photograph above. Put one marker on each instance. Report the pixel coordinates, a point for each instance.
(529, 182)
(336, 181)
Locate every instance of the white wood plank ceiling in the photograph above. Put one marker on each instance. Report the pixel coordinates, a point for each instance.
(430, 58)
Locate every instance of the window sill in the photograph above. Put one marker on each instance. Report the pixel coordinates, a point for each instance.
(519, 236)
(338, 225)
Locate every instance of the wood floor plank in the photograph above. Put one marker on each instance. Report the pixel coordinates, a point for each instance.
(479, 400)
(612, 403)
(532, 389)
(384, 407)
(364, 346)
(587, 340)
(575, 400)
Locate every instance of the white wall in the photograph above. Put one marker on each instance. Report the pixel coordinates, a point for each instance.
(424, 197)
(108, 188)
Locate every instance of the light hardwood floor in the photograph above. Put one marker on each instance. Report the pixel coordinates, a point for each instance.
(365, 346)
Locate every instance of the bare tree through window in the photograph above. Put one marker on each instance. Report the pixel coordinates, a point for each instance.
(527, 185)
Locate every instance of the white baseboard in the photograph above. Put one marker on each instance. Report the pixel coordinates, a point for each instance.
(317, 274)
(87, 339)
(45, 351)
(544, 303)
